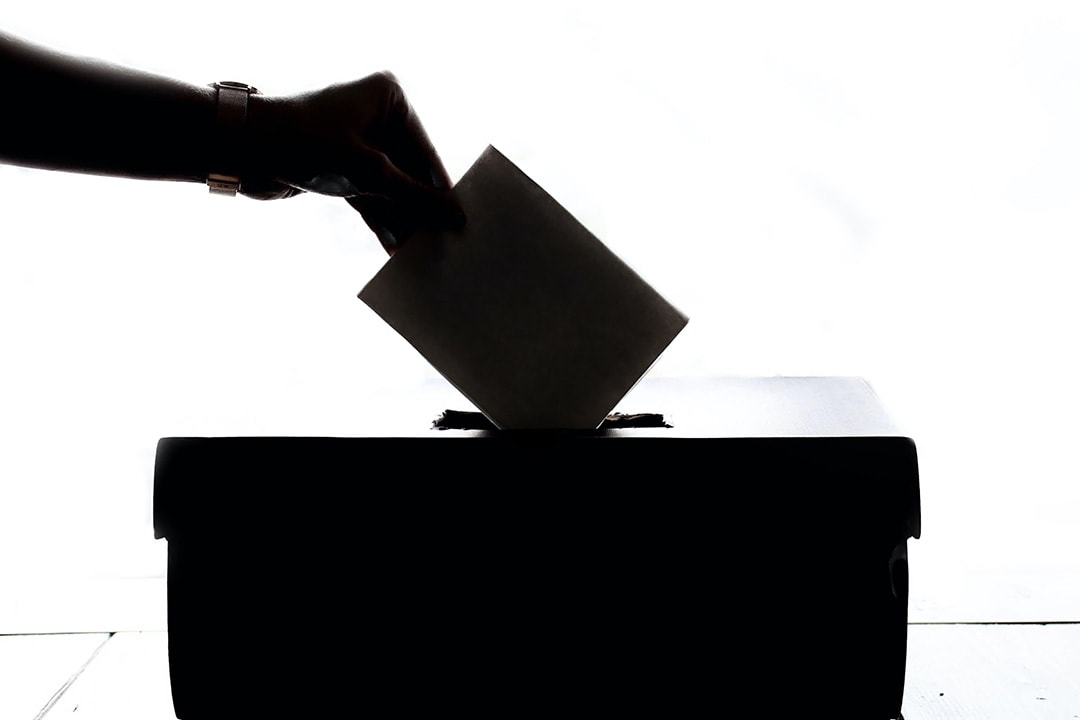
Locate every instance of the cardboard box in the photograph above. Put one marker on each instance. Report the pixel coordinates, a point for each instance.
(664, 572)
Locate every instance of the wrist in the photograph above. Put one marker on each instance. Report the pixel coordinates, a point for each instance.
(229, 136)
(264, 125)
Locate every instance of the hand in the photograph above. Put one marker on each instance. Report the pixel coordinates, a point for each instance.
(361, 141)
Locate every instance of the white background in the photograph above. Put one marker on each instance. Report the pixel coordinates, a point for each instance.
(887, 190)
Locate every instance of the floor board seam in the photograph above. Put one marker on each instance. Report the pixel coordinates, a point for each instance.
(998, 622)
(71, 680)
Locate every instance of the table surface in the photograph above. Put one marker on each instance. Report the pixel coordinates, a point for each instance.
(695, 407)
(764, 406)
(982, 672)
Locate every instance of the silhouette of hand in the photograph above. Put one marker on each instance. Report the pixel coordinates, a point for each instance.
(360, 140)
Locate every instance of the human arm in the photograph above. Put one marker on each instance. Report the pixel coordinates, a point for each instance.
(64, 112)
(360, 140)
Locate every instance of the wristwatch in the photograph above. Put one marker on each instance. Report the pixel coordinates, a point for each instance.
(232, 104)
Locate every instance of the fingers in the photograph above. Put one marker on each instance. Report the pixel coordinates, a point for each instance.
(369, 210)
(412, 188)
(381, 159)
(402, 205)
(406, 142)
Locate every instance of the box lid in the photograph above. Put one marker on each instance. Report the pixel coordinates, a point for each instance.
(817, 453)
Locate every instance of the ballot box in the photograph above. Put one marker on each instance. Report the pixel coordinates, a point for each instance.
(747, 550)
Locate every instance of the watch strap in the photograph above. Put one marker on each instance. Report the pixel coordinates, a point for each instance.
(232, 105)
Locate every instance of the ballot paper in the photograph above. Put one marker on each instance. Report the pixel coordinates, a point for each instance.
(524, 310)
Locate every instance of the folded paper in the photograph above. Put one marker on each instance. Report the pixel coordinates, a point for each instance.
(526, 312)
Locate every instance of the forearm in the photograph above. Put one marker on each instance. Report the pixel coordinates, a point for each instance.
(70, 113)
(359, 140)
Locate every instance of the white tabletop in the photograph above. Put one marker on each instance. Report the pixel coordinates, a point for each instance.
(695, 407)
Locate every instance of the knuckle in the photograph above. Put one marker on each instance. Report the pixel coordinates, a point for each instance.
(388, 84)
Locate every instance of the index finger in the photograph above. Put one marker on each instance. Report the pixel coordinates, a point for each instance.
(406, 142)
